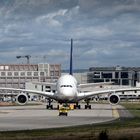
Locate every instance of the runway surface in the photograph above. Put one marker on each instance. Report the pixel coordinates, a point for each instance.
(37, 117)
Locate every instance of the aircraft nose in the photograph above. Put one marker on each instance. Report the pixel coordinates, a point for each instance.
(67, 92)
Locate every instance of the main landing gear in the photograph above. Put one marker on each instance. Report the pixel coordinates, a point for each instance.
(76, 106)
(87, 106)
(49, 105)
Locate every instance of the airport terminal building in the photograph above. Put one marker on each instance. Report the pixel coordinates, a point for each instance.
(118, 75)
(16, 75)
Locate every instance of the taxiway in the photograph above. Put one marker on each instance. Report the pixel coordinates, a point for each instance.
(37, 117)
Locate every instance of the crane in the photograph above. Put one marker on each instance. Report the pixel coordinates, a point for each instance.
(25, 56)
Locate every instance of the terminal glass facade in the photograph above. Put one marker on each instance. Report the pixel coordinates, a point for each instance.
(118, 75)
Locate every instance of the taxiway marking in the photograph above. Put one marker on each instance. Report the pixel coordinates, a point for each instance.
(115, 112)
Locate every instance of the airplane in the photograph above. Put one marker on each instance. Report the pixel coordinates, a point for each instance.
(67, 91)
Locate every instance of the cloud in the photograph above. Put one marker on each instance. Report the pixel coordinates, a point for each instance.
(105, 32)
(97, 32)
(51, 18)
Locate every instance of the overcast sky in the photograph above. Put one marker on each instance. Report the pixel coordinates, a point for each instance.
(105, 32)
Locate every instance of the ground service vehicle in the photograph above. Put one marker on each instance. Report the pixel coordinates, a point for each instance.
(63, 111)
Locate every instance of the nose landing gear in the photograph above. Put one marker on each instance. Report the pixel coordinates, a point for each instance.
(77, 106)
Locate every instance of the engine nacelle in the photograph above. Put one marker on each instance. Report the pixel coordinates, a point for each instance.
(114, 99)
(22, 99)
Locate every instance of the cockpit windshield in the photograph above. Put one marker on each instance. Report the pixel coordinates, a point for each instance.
(66, 86)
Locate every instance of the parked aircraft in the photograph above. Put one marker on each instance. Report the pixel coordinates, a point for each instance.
(67, 91)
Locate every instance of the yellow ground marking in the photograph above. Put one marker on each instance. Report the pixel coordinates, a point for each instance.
(115, 112)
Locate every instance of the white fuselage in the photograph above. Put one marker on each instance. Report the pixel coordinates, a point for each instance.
(66, 88)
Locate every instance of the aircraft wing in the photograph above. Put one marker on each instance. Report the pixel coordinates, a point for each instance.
(48, 94)
(94, 84)
(84, 95)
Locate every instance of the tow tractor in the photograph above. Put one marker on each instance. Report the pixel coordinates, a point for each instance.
(63, 109)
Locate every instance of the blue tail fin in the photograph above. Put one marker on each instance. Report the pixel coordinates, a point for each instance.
(71, 51)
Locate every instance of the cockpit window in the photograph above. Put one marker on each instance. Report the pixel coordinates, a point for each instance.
(66, 86)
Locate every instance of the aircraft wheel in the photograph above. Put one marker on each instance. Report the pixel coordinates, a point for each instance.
(49, 107)
(87, 106)
(77, 107)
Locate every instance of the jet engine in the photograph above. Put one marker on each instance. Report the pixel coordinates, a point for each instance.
(22, 99)
(114, 99)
